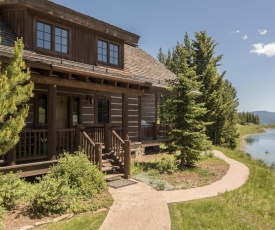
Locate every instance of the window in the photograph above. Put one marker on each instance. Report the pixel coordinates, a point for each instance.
(113, 54)
(107, 52)
(43, 35)
(103, 111)
(61, 40)
(75, 109)
(102, 51)
(42, 108)
(51, 37)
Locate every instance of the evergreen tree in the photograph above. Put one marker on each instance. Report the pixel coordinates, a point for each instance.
(186, 113)
(15, 90)
(217, 95)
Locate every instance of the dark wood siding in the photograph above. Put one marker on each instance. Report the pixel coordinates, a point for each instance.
(82, 40)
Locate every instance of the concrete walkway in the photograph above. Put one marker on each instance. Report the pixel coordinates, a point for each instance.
(139, 206)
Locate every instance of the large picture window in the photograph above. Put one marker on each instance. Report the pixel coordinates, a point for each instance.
(52, 37)
(107, 52)
(103, 111)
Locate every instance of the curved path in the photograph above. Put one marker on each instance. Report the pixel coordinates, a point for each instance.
(139, 206)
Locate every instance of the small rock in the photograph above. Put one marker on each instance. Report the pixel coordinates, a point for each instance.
(57, 219)
(27, 227)
(42, 222)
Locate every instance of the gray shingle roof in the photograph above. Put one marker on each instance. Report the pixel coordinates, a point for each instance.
(7, 34)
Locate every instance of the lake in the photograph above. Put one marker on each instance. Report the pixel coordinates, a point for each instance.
(262, 146)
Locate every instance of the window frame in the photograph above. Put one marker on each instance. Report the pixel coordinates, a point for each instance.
(52, 49)
(109, 57)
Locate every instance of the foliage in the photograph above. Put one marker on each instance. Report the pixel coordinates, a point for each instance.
(12, 189)
(82, 177)
(50, 196)
(248, 118)
(165, 164)
(15, 90)
(72, 185)
(218, 96)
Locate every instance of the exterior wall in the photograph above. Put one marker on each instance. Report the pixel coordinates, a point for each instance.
(89, 111)
(23, 22)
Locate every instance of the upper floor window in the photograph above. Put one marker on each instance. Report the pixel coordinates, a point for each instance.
(44, 35)
(52, 37)
(107, 52)
(61, 40)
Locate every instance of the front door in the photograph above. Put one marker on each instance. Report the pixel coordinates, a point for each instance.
(62, 112)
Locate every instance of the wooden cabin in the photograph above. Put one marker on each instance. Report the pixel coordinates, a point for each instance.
(93, 84)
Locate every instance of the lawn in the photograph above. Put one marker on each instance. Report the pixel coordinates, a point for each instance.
(250, 207)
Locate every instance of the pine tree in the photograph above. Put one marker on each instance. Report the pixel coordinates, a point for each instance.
(219, 95)
(15, 90)
(186, 113)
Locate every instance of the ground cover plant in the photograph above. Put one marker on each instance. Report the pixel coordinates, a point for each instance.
(73, 185)
(250, 207)
(164, 172)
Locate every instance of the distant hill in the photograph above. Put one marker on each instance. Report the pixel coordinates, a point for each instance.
(265, 117)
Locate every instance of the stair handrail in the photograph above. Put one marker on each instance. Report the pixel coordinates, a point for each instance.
(122, 150)
(92, 149)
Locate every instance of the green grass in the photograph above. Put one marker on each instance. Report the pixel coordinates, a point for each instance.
(250, 207)
(83, 222)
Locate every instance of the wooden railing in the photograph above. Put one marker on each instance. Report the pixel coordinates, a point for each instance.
(96, 133)
(122, 151)
(66, 140)
(92, 149)
(154, 131)
(33, 144)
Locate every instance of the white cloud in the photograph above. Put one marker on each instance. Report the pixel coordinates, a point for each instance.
(268, 50)
(245, 37)
(262, 31)
(235, 32)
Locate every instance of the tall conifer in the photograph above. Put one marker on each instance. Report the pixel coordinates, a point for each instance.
(15, 90)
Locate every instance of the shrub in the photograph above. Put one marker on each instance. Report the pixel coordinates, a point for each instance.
(50, 196)
(166, 164)
(12, 190)
(69, 186)
(83, 177)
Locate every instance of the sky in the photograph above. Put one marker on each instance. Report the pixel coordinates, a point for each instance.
(244, 31)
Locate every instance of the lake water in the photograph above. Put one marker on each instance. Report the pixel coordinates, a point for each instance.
(262, 146)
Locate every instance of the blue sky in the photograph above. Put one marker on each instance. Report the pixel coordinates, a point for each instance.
(243, 29)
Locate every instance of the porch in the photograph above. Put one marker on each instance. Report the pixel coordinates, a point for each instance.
(36, 150)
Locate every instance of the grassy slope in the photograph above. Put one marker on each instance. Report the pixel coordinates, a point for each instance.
(250, 207)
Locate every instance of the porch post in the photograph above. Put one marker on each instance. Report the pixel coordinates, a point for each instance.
(52, 123)
(127, 159)
(125, 117)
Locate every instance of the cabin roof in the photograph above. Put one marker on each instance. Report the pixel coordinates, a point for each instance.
(64, 13)
(139, 66)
